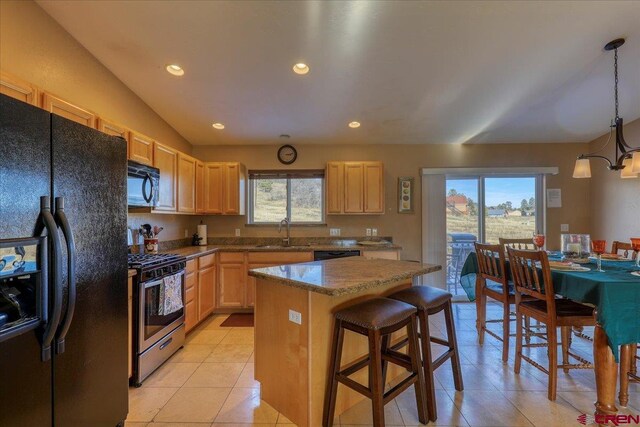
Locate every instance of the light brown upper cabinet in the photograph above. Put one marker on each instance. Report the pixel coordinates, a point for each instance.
(186, 183)
(58, 106)
(200, 187)
(114, 129)
(140, 148)
(18, 89)
(355, 187)
(225, 188)
(335, 187)
(166, 159)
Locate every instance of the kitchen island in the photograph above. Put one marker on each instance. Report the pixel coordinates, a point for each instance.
(294, 311)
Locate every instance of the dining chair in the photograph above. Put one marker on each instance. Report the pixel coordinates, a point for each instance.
(532, 278)
(520, 243)
(617, 246)
(492, 282)
(628, 370)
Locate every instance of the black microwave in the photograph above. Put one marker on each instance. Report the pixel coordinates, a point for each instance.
(142, 185)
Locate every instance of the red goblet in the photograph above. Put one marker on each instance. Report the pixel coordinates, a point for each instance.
(599, 247)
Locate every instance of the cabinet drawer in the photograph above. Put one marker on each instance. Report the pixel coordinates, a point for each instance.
(189, 280)
(232, 257)
(276, 258)
(190, 294)
(206, 261)
(191, 266)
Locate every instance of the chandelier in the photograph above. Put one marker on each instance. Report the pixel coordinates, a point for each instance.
(627, 158)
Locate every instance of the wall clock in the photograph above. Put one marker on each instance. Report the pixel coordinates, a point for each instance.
(287, 154)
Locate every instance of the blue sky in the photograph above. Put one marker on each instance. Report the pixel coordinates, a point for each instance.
(498, 190)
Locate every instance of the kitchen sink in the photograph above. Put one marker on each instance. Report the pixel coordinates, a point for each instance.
(282, 246)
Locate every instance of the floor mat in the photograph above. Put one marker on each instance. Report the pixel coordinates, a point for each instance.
(239, 320)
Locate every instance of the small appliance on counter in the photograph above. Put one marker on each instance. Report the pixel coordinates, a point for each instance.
(195, 240)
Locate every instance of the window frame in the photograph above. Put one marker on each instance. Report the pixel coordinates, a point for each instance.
(254, 176)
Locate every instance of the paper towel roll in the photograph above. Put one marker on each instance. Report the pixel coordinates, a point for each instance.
(202, 233)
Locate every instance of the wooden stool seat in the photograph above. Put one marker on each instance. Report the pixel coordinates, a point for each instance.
(376, 319)
(423, 297)
(376, 313)
(429, 300)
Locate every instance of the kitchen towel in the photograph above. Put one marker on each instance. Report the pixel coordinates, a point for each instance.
(202, 233)
(170, 295)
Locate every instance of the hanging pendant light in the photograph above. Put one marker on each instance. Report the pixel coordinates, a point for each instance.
(627, 159)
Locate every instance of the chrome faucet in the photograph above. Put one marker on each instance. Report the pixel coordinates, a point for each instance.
(287, 241)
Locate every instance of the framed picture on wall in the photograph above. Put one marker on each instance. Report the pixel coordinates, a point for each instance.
(406, 187)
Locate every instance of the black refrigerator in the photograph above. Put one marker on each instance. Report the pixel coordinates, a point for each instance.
(63, 275)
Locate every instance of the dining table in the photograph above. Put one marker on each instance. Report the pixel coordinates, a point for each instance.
(615, 294)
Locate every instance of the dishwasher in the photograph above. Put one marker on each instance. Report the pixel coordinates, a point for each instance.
(322, 255)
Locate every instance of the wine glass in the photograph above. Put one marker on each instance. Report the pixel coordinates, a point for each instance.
(538, 240)
(599, 247)
(635, 243)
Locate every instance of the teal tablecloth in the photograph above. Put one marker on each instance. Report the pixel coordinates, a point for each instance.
(615, 293)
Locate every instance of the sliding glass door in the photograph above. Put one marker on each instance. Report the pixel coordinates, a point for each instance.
(484, 208)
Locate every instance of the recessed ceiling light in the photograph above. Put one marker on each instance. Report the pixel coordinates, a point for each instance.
(218, 126)
(301, 68)
(354, 125)
(175, 69)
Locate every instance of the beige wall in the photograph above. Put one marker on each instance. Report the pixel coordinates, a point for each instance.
(35, 48)
(406, 160)
(615, 202)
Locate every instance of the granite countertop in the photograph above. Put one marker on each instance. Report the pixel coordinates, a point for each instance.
(196, 251)
(343, 276)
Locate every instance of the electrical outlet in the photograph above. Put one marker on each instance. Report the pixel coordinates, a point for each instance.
(368, 232)
(237, 232)
(295, 317)
(374, 232)
(334, 231)
(564, 227)
(186, 232)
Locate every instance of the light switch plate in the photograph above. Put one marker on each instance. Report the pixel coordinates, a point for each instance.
(295, 317)
(564, 227)
(237, 232)
(368, 232)
(334, 231)
(186, 232)
(374, 232)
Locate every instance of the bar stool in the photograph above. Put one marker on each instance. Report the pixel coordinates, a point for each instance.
(429, 300)
(376, 319)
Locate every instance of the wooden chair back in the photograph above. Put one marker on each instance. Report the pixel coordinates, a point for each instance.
(521, 244)
(532, 276)
(492, 264)
(617, 246)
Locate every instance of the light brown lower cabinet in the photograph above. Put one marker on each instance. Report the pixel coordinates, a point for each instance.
(191, 295)
(232, 285)
(206, 285)
(381, 254)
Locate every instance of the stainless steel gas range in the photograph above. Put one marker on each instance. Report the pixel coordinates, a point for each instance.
(158, 332)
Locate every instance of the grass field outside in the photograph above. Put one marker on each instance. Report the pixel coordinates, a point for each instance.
(510, 227)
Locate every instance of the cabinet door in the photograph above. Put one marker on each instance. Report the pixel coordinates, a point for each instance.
(114, 129)
(140, 148)
(18, 89)
(231, 189)
(200, 187)
(67, 110)
(206, 292)
(335, 187)
(373, 187)
(191, 300)
(166, 159)
(186, 183)
(213, 188)
(381, 254)
(232, 285)
(353, 187)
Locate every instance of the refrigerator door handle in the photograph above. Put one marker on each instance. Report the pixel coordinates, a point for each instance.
(49, 223)
(71, 271)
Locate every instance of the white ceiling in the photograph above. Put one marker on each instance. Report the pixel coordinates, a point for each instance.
(411, 72)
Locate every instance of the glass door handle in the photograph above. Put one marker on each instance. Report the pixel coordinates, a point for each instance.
(71, 271)
(49, 223)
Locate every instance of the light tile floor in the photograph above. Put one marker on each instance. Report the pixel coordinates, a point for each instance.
(210, 383)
